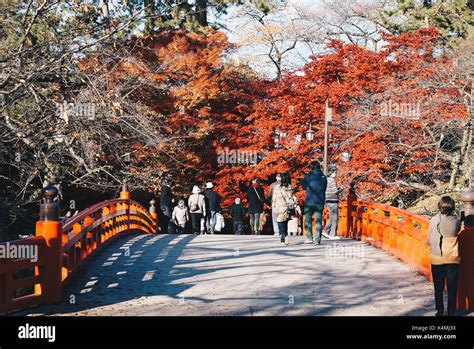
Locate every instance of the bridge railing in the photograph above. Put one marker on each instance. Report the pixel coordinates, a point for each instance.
(61, 247)
(398, 232)
(404, 235)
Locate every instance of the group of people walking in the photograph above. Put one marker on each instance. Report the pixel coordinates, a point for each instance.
(203, 209)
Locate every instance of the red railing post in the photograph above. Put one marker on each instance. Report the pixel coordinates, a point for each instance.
(125, 194)
(351, 197)
(49, 228)
(466, 252)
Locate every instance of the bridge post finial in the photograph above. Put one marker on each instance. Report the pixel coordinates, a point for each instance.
(49, 210)
(467, 197)
(152, 206)
(124, 193)
(49, 228)
(352, 189)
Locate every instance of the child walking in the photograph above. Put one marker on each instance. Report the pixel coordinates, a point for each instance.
(180, 216)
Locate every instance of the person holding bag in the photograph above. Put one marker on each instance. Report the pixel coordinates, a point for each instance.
(255, 199)
(197, 209)
(444, 255)
(283, 203)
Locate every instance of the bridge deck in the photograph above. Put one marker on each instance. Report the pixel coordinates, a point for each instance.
(245, 275)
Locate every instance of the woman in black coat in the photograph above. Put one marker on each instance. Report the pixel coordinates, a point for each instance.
(256, 200)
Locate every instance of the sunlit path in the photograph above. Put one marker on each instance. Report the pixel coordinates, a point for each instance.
(244, 275)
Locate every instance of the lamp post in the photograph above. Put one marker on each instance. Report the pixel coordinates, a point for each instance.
(310, 134)
(327, 119)
(346, 156)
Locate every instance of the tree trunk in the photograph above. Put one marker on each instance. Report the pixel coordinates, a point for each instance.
(104, 8)
(201, 13)
(463, 163)
(149, 16)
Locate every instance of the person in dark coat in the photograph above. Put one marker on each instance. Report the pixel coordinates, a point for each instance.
(165, 206)
(213, 206)
(256, 200)
(315, 183)
(237, 213)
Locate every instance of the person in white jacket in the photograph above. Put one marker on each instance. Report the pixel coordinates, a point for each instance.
(180, 216)
(197, 209)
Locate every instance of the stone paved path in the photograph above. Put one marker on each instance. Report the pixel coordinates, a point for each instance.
(244, 275)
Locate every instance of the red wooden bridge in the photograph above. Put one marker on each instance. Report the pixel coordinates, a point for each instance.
(65, 246)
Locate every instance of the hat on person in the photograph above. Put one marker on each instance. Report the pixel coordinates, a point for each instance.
(196, 190)
(209, 185)
(237, 201)
(316, 165)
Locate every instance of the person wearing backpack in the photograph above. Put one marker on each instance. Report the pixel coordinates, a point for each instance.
(256, 200)
(444, 254)
(197, 209)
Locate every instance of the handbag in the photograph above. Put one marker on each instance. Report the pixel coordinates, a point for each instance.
(220, 222)
(194, 206)
(262, 220)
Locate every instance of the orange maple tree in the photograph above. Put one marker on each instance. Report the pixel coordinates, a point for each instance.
(386, 114)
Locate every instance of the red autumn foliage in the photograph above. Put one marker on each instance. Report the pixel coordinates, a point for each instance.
(388, 112)
(390, 149)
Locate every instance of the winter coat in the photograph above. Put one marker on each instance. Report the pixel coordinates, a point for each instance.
(199, 200)
(443, 239)
(255, 203)
(281, 200)
(315, 184)
(212, 200)
(165, 197)
(237, 213)
(270, 191)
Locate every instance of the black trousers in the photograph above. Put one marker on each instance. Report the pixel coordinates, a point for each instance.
(445, 273)
(165, 219)
(196, 222)
(283, 230)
